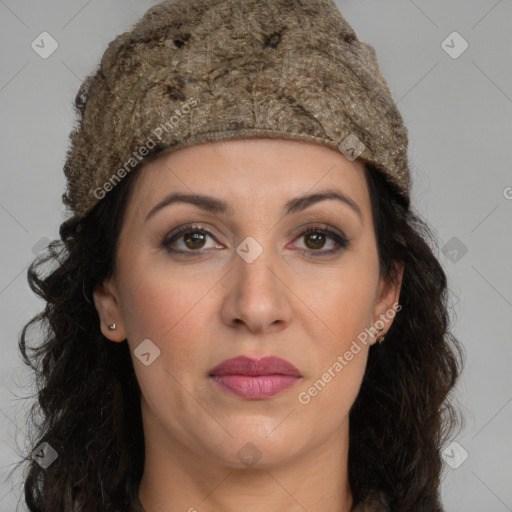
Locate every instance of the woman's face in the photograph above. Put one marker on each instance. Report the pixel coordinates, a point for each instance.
(241, 280)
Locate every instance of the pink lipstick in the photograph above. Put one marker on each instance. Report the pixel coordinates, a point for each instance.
(255, 379)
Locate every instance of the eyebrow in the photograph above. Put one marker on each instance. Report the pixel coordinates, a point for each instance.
(216, 206)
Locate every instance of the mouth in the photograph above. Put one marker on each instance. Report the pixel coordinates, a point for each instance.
(255, 379)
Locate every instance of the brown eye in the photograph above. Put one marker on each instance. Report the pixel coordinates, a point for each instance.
(193, 239)
(315, 239)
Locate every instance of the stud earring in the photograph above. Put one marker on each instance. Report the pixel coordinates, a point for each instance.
(381, 338)
(112, 327)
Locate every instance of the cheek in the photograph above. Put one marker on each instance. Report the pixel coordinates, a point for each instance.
(169, 312)
(166, 309)
(343, 303)
(344, 300)
(343, 310)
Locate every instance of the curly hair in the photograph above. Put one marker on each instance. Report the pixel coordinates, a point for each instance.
(89, 396)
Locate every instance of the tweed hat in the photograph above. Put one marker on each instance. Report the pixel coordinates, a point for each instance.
(196, 71)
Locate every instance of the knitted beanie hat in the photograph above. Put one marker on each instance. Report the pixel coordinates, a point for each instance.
(194, 71)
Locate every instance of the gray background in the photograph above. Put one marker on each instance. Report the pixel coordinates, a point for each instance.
(458, 112)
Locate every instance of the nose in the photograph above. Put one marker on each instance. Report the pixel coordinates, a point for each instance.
(257, 294)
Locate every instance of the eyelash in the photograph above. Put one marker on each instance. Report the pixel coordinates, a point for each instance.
(340, 240)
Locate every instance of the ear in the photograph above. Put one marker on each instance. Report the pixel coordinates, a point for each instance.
(107, 305)
(388, 294)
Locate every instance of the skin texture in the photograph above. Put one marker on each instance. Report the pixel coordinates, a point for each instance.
(290, 301)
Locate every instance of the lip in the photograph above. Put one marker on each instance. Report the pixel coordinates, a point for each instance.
(255, 379)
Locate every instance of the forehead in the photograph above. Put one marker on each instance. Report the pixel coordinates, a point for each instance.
(249, 173)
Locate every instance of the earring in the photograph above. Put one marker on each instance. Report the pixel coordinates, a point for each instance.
(112, 327)
(381, 338)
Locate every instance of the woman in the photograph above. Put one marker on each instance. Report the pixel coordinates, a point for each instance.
(245, 312)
